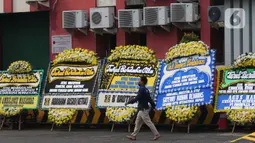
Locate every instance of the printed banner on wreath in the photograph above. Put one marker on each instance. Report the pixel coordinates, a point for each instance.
(115, 99)
(70, 101)
(122, 77)
(186, 81)
(236, 89)
(69, 80)
(20, 90)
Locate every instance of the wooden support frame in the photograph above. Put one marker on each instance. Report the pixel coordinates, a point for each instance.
(2, 124)
(173, 125)
(19, 122)
(234, 127)
(129, 126)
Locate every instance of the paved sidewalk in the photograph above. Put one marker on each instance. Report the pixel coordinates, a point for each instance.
(105, 136)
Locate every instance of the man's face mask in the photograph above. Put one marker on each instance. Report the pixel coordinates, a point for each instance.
(140, 83)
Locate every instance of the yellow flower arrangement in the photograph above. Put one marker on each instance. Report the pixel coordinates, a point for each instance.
(133, 52)
(187, 49)
(181, 114)
(76, 55)
(20, 67)
(61, 116)
(241, 117)
(245, 61)
(10, 111)
(120, 115)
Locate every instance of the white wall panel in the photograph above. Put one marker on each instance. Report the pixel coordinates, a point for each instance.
(1, 6)
(20, 6)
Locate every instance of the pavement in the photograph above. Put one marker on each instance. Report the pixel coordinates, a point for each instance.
(118, 136)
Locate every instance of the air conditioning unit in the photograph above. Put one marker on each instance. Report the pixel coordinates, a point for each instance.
(102, 17)
(156, 15)
(187, 1)
(184, 12)
(135, 2)
(35, 1)
(101, 3)
(74, 19)
(31, 1)
(130, 18)
(216, 13)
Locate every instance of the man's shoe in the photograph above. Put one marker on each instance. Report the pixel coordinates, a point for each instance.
(156, 137)
(131, 137)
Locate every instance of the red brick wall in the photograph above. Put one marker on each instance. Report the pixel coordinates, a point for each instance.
(160, 41)
(78, 39)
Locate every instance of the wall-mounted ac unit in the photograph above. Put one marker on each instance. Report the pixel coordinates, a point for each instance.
(75, 19)
(31, 1)
(102, 17)
(216, 13)
(34, 1)
(184, 12)
(101, 3)
(135, 2)
(156, 15)
(187, 1)
(130, 18)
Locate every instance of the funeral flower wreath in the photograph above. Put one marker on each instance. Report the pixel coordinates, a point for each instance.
(71, 56)
(182, 113)
(243, 116)
(17, 67)
(120, 115)
(61, 116)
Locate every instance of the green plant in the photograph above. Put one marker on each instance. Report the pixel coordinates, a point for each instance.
(189, 37)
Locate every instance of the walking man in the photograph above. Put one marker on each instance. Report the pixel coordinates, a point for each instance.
(143, 98)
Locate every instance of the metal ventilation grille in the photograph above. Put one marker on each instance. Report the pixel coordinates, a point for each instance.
(151, 16)
(69, 20)
(86, 16)
(178, 13)
(96, 18)
(135, 2)
(125, 19)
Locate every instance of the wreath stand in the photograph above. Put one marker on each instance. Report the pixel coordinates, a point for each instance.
(188, 128)
(4, 119)
(129, 126)
(69, 124)
(234, 127)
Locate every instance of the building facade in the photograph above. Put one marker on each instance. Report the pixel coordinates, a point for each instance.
(160, 41)
(26, 32)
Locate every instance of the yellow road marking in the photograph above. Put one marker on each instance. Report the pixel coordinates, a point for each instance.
(246, 137)
(249, 138)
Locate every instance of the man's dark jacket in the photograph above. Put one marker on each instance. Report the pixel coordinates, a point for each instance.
(143, 98)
